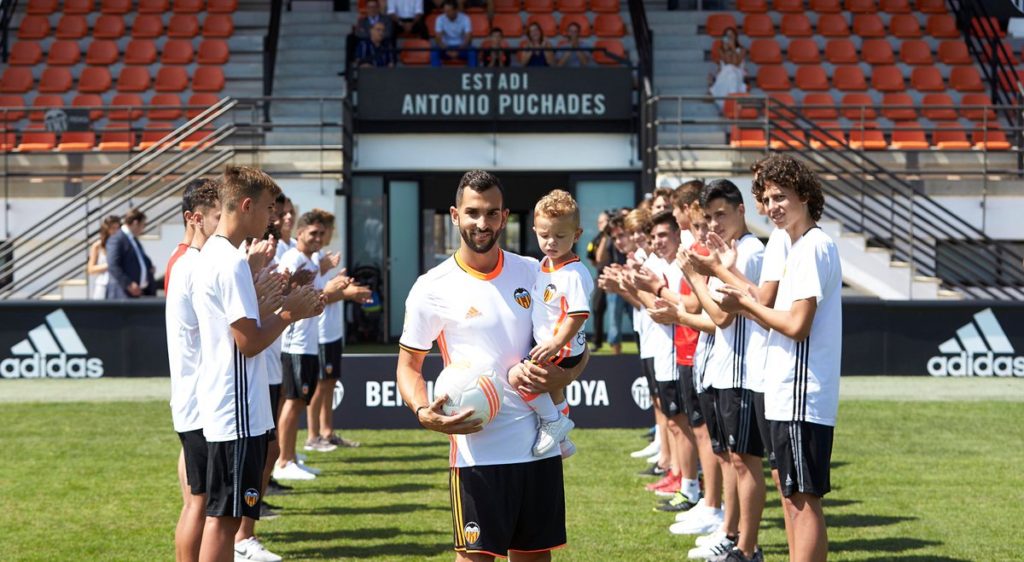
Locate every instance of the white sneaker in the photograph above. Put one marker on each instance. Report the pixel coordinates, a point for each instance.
(251, 549)
(291, 471)
(654, 458)
(652, 449)
(698, 521)
(710, 538)
(723, 546)
(567, 447)
(550, 434)
(309, 469)
(310, 445)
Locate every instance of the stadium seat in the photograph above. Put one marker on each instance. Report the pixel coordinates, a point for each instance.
(987, 27)
(867, 137)
(8, 140)
(125, 107)
(927, 79)
(819, 106)
(16, 80)
(861, 6)
(195, 139)
(811, 78)
(140, 51)
(772, 78)
(954, 53)
(147, 26)
(42, 103)
(201, 101)
(752, 6)
(1011, 80)
(991, 138)
(63, 53)
(931, 6)
(826, 6)
(33, 28)
(572, 6)
(545, 21)
(898, 106)
(613, 47)
(219, 26)
(103, 53)
(153, 6)
(868, 25)
(608, 26)
(759, 25)
(72, 27)
(221, 6)
(977, 107)
(89, 100)
(877, 51)
(788, 6)
(908, 135)
(796, 25)
(108, 27)
(134, 79)
(186, 26)
(507, 6)
(153, 133)
(116, 6)
(828, 134)
(766, 51)
(10, 108)
(905, 26)
(171, 79)
(916, 52)
(480, 24)
(207, 79)
(950, 136)
(605, 6)
(117, 140)
(858, 107)
(966, 79)
(894, 6)
(938, 107)
(178, 51)
(215, 51)
(1003, 51)
(833, 25)
(779, 104)
(841, 51)
(734, 108)
(716, 24)
(25, 53)
(887, 79)
(801, 51)
(37, 139)
(849, 79)
(942, 26)
(422, 57)
(82, 7)
(539, 6)
(510, 24)
(783, 138)
(188, 6)
(747, 138)
(41, 7)
(76, 141)
(57, 80)
(171, 112)
(579, 19)
(94, 80)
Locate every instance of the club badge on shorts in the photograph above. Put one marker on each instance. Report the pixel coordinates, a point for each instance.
(549, 292)
(251, 497)
(522, 297)
(472, 532)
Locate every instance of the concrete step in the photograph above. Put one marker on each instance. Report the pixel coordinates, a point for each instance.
(293, 17)
(303, 137)
(676, 41)
(671, 56)
(312, 85)
(312, 42)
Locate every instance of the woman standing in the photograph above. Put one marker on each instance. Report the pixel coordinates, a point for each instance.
(98, 257)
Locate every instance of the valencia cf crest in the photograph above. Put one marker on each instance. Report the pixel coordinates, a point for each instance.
(328, 368)
(549, 292)
(305, 389)
(251, 497)
(472, 532)
(522, 297)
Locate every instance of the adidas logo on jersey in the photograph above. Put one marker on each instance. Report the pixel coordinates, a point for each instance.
(472, 313)
(52, 349)
(980, 348)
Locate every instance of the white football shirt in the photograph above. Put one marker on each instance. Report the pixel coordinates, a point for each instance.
(774, 256)
(803, 377)
(484, 319)
(772, 266)
(732, 348)
(183, 347)
(302, 337)
(329, 323)
(659, 337)
(563, 292)
(233, 393)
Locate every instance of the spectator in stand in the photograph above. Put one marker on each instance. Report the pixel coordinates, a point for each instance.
(97, 264)
(453, 32)
(573, 41)
(408, 17)
(131, 270)
(372, 18)
(375, 51)
(494, 50)
(731, 73)
(535, 49)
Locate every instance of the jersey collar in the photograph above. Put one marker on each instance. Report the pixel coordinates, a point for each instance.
(479, 275)
(547, 267)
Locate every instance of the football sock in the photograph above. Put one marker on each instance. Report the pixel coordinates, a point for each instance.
(544, 407)
(690, 489)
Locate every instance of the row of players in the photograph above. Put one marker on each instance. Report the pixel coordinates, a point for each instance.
(740, 343)
(254, 334)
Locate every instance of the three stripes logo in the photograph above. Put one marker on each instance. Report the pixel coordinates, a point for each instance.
(52, 349)
(980, 348)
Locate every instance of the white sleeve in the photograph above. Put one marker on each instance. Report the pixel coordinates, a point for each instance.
(809, 271)
(750, 258)
(577, 293)
(422, 323)
(238, 293)
(774, 263)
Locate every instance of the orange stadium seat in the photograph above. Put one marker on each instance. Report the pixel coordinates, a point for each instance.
(221, 6)
(153, 132)
(188, 6)
(950, 136)
(894, 6)
(877, 51)
(899, 106)
(8, 141)
(37, 139)
(41, 7)
(153, 6)
(10, 108)
(772, 78)
(613, 47)
(916, 52)
(116, 6)
(715, 25)
(733, 108)
(413, 57)
(752, 6)
(95, 80)
(931, 6)
(887, 79)
(78, 6)
(820, 106)
(140, 51)
(1010, 81)
(778, 100)
(102, 53)
(507, 6)
(826, 6)
(1004, 53)
(117, 140)
(966, 79)
(823, 137)
(788, 6)
(954, 53)
(801, 51)
(991, 138)
(479, 23)
(72, 27)
(905, 26)
(76, 141)
(89, 100)
(57, 80)
(927, 79)
(605, 6)
(177, 51)
(218, 25)
(545, 21)
(981, 110)
(796, 25)
(747, 138)
(42, 103)
(938, 107)
(25, 53)
(125, 107)
(572, 6)
(539, 6)
(63, 53)
(811, 78)
(579, 19)
(765, 51)
(942, 26)
(782, 138)
(868, 137)
(172, 79)
(134, 79)
(195, 139)
(849, 79)
(861, 6)
(841, 51)
(908, 135)
(108, 27)
(833, 25)
(147, 26)
(868, 25)
(758, 25)
(186, 26)
(34, 27)
(201, 101)
(987, 27)
(213, 51)
(609, 25)
(858, 107)
(510, 24)
(16, 80)
(171, 112)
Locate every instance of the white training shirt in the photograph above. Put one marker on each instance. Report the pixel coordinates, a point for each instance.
(183, 347)
(329, 323)
(659, 337)
(233, 393)
(642, 323)
(803, 377)
(775, 253)
(727, 366)
(483, 319)
(301, 337)
(772, 266)
(563, 292)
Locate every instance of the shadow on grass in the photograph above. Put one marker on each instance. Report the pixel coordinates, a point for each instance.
(393, 488)
(889, 544)
(848, 520)
(383, 471)
(291, 537)
(396, 458)
(829, 502)
(372, 551)
(363, 510)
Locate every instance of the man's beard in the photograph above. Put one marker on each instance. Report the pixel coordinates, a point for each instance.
(467, 237)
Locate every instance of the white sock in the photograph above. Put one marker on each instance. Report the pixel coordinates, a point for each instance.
(690, 489)
(544, 407)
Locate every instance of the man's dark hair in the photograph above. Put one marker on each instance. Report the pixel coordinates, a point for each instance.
(664, 217)
(199, 193)
(572, 25)
(498, 29)
(309, 218)
(788, 172)
(687, 193)
(617, 221)
(133, 216)
(721, 189)
(479, 181)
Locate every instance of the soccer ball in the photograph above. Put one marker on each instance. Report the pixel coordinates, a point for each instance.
(470, 387)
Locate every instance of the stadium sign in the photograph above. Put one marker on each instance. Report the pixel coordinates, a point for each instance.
(980, 348)
(52, 349)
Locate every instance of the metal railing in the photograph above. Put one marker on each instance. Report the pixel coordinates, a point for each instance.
(644, 39)
(270, 41)
(7, 9)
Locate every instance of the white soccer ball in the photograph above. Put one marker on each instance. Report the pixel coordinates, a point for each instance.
(470, 387)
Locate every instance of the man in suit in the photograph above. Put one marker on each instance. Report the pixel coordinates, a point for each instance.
(131, 271)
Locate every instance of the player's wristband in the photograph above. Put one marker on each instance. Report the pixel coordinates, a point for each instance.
(660, 289)
(418, 411)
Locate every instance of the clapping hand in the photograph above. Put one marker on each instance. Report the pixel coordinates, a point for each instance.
(733, 299)
(329, 261)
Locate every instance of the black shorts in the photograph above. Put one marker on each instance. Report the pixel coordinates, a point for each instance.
(275, 401)
(234, 477)
(196, 454)
(569, 362)
(763, 430)
(299, 374)
(330, 360)
(803, 451)
(647, 370)
(670, 398)
(508, 507)
(691, 405)
(736, 411)
(709, 409)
